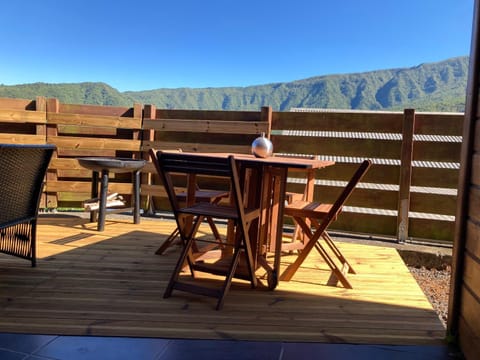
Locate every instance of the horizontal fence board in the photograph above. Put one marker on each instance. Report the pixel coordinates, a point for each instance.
(86, 152)
(205, 138)
(431, 229)
(365, 223)
(376, 199)
(86, 130)
(196, 147)
(439, 124)
(85, 187)
(338, 121)
(22, 128)
(377, 174)
(95, 120)
(364, 148)
(207, 126)
(433, 203)
(19, 116)
(17, 104)
(431, 151)
(433, 177)
(65, 164)
(73, 174)
(22, 139)
(79, 143)
(208, 115)
(96, 110)
(153, 190)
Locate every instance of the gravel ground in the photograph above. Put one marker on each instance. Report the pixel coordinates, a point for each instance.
(435, 284)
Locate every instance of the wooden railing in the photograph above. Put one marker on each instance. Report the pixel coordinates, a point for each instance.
(410, 192)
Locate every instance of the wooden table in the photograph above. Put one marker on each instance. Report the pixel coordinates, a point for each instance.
(265, 185)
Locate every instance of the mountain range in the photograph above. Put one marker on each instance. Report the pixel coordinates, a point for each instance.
(439, 86)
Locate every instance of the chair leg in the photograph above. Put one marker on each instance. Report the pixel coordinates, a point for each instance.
(168, 242)
(175, 233)
(338, 273)
(228, 280)
(329, 241)
(314, 242)
(336, 251)
(185, 256)
(215, 231)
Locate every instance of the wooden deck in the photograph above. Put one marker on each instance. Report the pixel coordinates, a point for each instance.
(112, 283)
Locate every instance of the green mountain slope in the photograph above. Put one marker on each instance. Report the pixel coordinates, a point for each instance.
(80, 93)
(439, 86)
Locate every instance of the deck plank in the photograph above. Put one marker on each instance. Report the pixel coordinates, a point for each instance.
(112, 283)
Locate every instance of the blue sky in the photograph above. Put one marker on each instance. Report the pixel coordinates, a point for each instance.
(150, 44)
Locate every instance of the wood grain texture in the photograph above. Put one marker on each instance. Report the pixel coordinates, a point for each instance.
(111, 283)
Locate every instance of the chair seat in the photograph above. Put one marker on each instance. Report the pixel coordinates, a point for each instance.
(307, 209)
(204, 195)
(218, 211)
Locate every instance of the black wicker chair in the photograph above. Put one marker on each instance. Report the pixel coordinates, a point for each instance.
(22, 173)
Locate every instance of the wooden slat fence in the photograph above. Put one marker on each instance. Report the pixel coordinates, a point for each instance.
(24, 121)
(196, 130)
(410, 192)
(87, 130)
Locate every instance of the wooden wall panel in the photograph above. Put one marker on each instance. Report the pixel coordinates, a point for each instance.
(464, 305)
(471, 277)
(469, 341)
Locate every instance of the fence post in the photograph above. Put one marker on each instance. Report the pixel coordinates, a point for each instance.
(149, 112)
(266, 115)
(41, 129)
(405, 174)
(52, 106)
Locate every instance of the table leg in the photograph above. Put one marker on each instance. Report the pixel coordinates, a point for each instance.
(94, 193)
(136, 197)
(271, 230)
(103, 201)
(278, 205)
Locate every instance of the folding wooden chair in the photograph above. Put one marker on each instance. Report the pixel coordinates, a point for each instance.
(321, 216)
(211, 196)
(168, 164)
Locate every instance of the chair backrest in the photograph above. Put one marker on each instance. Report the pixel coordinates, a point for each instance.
(170, 163)
(345, 194)
(22, 173)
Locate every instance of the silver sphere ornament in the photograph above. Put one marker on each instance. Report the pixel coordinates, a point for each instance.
(262, 147)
